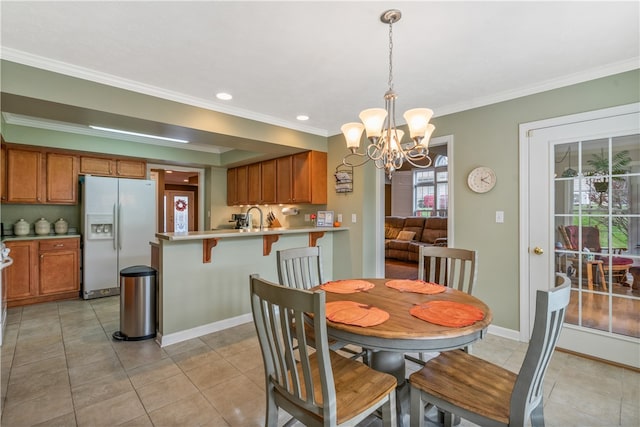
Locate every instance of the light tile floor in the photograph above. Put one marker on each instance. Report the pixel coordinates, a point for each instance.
(60, 367)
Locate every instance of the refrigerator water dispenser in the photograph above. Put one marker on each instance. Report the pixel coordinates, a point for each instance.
(100, 226)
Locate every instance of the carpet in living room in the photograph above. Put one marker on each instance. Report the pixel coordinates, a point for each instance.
(396, 269)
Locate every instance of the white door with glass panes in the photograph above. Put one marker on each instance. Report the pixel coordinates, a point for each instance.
(581, 204)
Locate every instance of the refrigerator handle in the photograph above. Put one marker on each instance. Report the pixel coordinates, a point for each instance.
(119, 221)
(115, 228)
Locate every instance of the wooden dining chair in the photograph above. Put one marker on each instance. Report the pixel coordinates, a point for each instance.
(318, 388)
(452, 267)
(483, 393)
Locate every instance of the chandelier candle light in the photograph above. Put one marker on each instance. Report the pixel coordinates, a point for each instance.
(386, 148)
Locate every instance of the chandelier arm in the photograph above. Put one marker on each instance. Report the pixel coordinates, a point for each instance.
(363, 155)
(429, 162)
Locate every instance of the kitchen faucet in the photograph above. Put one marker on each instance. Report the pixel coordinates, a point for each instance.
(259, 210)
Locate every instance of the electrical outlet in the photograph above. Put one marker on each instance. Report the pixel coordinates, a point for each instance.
(339, 217)
(307, 217)
(354, 218)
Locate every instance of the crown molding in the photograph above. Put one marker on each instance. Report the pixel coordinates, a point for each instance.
(64, 68)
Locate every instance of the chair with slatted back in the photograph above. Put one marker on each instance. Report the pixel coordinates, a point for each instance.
(300, 267)
(452, 267)
(483, 393)
(318, 388)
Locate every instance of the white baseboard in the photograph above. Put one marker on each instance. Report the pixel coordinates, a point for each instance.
(174, 338)
(504, 332)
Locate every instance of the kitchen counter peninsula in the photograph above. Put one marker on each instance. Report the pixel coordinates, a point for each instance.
(203, 276)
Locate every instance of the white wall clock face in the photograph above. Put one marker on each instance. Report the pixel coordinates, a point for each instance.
(481, 179)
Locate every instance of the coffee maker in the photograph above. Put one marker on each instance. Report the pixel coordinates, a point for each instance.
(242, 220)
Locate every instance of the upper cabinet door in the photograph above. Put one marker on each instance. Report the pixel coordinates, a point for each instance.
(283, 184)
(25, 176)
(62, 178)
(254, 195)
(268, 173)
(309, 177)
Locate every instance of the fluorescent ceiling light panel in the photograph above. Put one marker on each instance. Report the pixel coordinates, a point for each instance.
(126, 132)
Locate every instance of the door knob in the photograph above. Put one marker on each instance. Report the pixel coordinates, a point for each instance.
(538, 250)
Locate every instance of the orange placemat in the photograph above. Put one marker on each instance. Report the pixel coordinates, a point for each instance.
(347, 286)
(447, 313)
(353, 313)
(417, 286)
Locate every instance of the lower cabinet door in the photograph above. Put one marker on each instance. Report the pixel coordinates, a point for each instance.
(58, 272)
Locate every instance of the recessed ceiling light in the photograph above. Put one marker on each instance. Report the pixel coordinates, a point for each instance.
(302, 117)
(146, 135)
(224, 96)
(168, 171)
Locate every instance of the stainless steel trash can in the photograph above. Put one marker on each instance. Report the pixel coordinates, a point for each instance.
(137, 303)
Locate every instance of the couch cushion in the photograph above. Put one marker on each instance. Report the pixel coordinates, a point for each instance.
(399, 245)
(392, 226)
(435, 227)
(406, 235)
(415, 224)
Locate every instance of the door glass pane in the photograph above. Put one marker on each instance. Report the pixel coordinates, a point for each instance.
(597, 231)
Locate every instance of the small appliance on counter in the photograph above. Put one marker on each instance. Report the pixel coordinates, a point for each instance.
(242, 220)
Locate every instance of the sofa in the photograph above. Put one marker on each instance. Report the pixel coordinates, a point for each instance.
(403, 236)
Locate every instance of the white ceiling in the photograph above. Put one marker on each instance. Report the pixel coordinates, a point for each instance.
(328, 60)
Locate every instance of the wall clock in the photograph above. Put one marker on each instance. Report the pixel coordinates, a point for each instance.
(481, 179)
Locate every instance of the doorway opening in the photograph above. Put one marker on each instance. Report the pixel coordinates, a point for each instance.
(180, 198)
(417, 192)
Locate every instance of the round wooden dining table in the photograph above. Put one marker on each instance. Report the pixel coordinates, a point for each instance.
(402, 332)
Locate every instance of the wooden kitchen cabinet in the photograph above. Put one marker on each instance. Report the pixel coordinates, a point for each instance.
(237, 186)
(268, 181)
(283, 184)
(43, 270)
(25, 175)
(3, 173)
(309, 177)
(254, 183)
(121, 168)
(22, 275)
(126, 168)
(61, 178)
(300, 178)
(59, 267)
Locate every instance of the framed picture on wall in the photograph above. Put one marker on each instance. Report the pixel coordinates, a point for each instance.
(325, 219)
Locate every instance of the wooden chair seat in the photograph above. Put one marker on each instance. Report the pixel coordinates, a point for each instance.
(461, 384)
(353, 381)
(318, 387)
(470, 383)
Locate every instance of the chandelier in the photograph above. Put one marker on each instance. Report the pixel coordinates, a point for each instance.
(386, 148)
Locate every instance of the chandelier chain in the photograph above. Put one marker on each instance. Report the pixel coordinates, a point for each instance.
(390, 55)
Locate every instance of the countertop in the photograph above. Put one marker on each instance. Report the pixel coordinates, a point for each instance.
(214, 234)
(39, 237)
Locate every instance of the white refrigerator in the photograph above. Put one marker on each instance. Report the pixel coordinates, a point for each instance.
(119, 221)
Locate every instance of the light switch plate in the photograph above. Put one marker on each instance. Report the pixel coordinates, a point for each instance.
(354, 218)
(499, 217)
(339, 217)
(307, 217)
